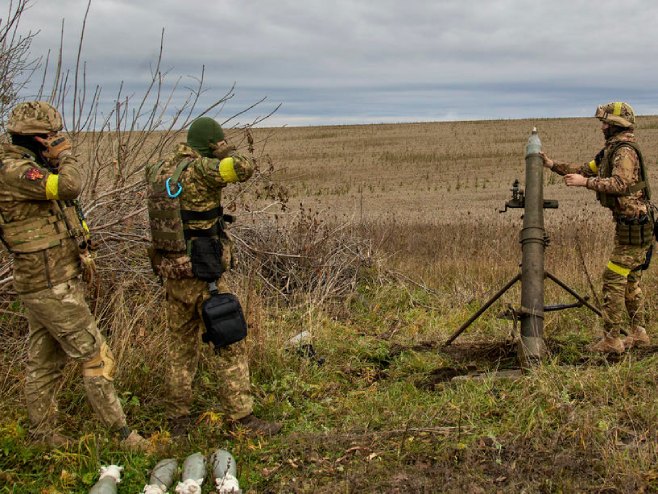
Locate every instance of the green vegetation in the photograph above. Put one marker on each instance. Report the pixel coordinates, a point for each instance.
(382, 412)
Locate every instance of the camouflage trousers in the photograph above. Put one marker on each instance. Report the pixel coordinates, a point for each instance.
(184, 299)
(62, 327)
(622, 293)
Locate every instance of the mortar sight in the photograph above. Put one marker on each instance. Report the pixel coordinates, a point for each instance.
(518, 199)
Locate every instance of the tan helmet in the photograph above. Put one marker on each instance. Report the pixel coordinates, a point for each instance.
(34, 117)
(617, 113)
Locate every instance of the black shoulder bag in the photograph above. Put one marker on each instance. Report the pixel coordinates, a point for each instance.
(223, 318)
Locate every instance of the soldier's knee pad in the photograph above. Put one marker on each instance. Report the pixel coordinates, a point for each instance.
(101, 364)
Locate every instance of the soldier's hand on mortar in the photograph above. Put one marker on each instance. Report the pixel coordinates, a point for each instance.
(548, 163)
(222, 149)
(55, 145)
(575, 180)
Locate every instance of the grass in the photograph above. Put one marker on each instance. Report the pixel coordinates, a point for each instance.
(381, 412)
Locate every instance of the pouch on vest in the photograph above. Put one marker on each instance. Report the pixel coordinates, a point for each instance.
(206, 256)
(165, 220)
(647, 259)
(653, 214)
(156, 259)
(224, 320)
(635, 233)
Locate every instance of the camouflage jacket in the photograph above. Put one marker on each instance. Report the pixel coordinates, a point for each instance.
(202, 182)
(35, 221)
(625, 172)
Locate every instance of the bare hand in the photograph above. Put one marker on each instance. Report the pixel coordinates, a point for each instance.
(575, 180)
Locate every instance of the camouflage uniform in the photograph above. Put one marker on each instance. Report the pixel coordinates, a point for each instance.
(39, 226)
(621, 279)
(201, 182)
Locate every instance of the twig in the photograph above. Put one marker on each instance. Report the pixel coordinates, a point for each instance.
(581, 257)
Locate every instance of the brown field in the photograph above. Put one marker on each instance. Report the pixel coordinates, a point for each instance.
(430, 194)
(430, 172)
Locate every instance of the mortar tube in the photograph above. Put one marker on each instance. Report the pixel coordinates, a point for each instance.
(531, 345)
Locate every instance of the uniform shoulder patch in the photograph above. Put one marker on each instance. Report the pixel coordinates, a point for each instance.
(33, 174)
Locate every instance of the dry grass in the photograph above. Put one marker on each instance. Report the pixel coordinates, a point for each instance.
(429, 195)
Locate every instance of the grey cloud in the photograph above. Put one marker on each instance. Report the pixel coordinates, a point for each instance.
(388, 60)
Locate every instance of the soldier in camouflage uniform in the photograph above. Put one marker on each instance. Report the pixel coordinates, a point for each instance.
(618, 177)
(195, 175)
(39, 225)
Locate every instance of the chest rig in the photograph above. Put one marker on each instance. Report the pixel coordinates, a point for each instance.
(605, 171)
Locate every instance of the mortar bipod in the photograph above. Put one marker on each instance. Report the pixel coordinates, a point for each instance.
(519, 201)
(581, 301)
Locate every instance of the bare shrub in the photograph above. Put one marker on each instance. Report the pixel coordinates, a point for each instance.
(16, 66)
(304, 258)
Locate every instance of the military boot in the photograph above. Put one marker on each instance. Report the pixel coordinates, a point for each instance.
(608, 344)
(254, 426)
(133, 441)
(637, 337)
(180, 426)
(55, 440)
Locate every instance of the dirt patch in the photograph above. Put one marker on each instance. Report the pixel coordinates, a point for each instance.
(376, 462)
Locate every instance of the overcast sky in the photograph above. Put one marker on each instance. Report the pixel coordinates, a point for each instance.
(370, 61)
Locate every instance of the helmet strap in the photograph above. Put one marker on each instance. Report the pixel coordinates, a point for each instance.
(613, 130)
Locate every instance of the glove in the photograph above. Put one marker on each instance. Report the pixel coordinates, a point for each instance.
(88, 267)
(221, 151)
(55, 145)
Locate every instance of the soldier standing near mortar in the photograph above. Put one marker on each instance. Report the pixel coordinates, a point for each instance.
(39, 225)
(190, 252)
(618, 177)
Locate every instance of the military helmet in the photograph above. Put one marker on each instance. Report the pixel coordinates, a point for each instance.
(203, 132)
(617, 113)
(34, 117)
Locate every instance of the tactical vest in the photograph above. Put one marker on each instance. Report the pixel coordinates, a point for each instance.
(605, 171)
(169, 223)
(37, 234)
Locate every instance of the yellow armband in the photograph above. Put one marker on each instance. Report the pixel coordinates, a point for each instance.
(227, 170)
(620, 270)
(52, 186)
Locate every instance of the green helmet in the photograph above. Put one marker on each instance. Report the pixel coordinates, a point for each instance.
(203, 132)
(617, 113)
(34, 117)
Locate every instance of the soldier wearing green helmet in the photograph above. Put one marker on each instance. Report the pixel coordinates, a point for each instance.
(618, 176)
(190, 252)
(40, 227)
